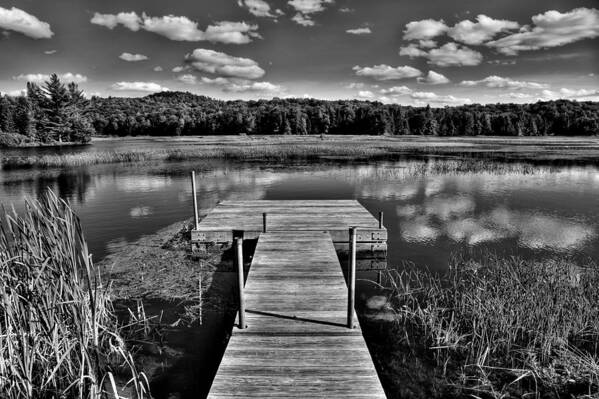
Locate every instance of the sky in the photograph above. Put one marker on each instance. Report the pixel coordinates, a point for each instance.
(395, 51)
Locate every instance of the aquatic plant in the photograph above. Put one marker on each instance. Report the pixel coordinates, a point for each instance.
(59, 336)
(503, 326)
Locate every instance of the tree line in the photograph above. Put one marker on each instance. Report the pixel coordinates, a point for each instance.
(54, 112)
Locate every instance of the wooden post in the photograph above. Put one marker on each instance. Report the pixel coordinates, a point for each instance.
(351, 277)
(240, 281)
(264, 222)
(195, 200)
(380, 219)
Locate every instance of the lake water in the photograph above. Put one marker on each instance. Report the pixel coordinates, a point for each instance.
(511, 209)
(553, 211)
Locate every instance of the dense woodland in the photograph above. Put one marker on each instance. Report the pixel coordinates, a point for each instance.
(55, 112)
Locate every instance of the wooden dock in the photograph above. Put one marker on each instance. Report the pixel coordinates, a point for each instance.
(296, 342)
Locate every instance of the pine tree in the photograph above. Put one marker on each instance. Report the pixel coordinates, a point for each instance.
(56, 101)
(24, 117)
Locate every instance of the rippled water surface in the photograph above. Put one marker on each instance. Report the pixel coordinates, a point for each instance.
(429, 214)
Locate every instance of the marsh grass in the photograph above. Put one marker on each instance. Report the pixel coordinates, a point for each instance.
(503, 327)
(59, 336)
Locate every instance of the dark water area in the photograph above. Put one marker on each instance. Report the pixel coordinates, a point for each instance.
(511, 210)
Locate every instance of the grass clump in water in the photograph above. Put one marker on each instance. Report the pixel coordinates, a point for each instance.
(504, 327)
(59, 336)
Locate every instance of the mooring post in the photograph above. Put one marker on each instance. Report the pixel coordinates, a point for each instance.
(380, 219)
(195, 200)
(264, 222)
(351, 277)
(240, 281)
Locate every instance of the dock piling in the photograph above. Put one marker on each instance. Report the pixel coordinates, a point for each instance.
(351, 277)
(240, 280)
(380, 219)
(195, 200)
(264, 222)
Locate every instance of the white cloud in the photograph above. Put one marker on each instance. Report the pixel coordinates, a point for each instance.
(579, 92)
(158, 68)
(259, 8)
(149, 87)
(424, 29)
(427, 43)
(434, 78)
(18, 20)
(386, 72)
(42, 77)
(243, 86)
(412, 51)
(397, 90)
(305, 8)
(501, 82)
(366, 94)
(50, 52)
(450, 54)
(132, 57)
(130, 20)
(346, 10)
(551, 29)
(429, 97)
(187, 79)
(575, 94)
(223, 64)
(302, 20)
(359, 31)
(180, 28)
(180, 68)
(484, 29)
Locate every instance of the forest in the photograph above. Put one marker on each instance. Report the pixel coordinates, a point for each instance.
(58, 113)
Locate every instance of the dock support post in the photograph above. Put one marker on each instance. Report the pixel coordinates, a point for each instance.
(380, 219)
(264, 222)
(351, 277)
(195, 200)
(240, 280)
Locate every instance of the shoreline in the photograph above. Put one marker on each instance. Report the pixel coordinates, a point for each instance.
(551, 149)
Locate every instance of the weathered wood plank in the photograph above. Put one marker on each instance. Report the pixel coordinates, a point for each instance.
(296, 343)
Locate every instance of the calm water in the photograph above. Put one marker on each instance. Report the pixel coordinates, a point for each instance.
(553, 211)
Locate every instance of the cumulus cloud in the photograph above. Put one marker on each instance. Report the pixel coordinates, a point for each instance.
(180, 68)
(20, 21)
(305, 8)
(50, 52)
(386, 72)
(158, 68)
(484, 29)
(243, 85)
(425, 97)
(501, 82)
(180, 28)
(132, 57)
(397, 90)
(359, 31)
(450, 54)
(366, 94)
(187, 79)
(581, 94)
(551, 29)
(433, 78)
(218, 63)
(42, 77)
(259, 8)
(149, 87)
(427, 43)
(424, 29)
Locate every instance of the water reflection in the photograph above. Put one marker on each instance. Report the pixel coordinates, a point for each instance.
(428, 215)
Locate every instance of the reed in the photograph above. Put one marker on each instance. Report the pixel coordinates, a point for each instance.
(59, 336)
(501, 327)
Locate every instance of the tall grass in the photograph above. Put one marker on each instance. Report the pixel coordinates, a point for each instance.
(59, 336)
(502, 327)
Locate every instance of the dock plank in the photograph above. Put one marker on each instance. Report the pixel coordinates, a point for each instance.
(296, 343)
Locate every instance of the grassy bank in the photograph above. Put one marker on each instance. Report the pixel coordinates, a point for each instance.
(497, 328)
(288, 148)
(59, 335)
